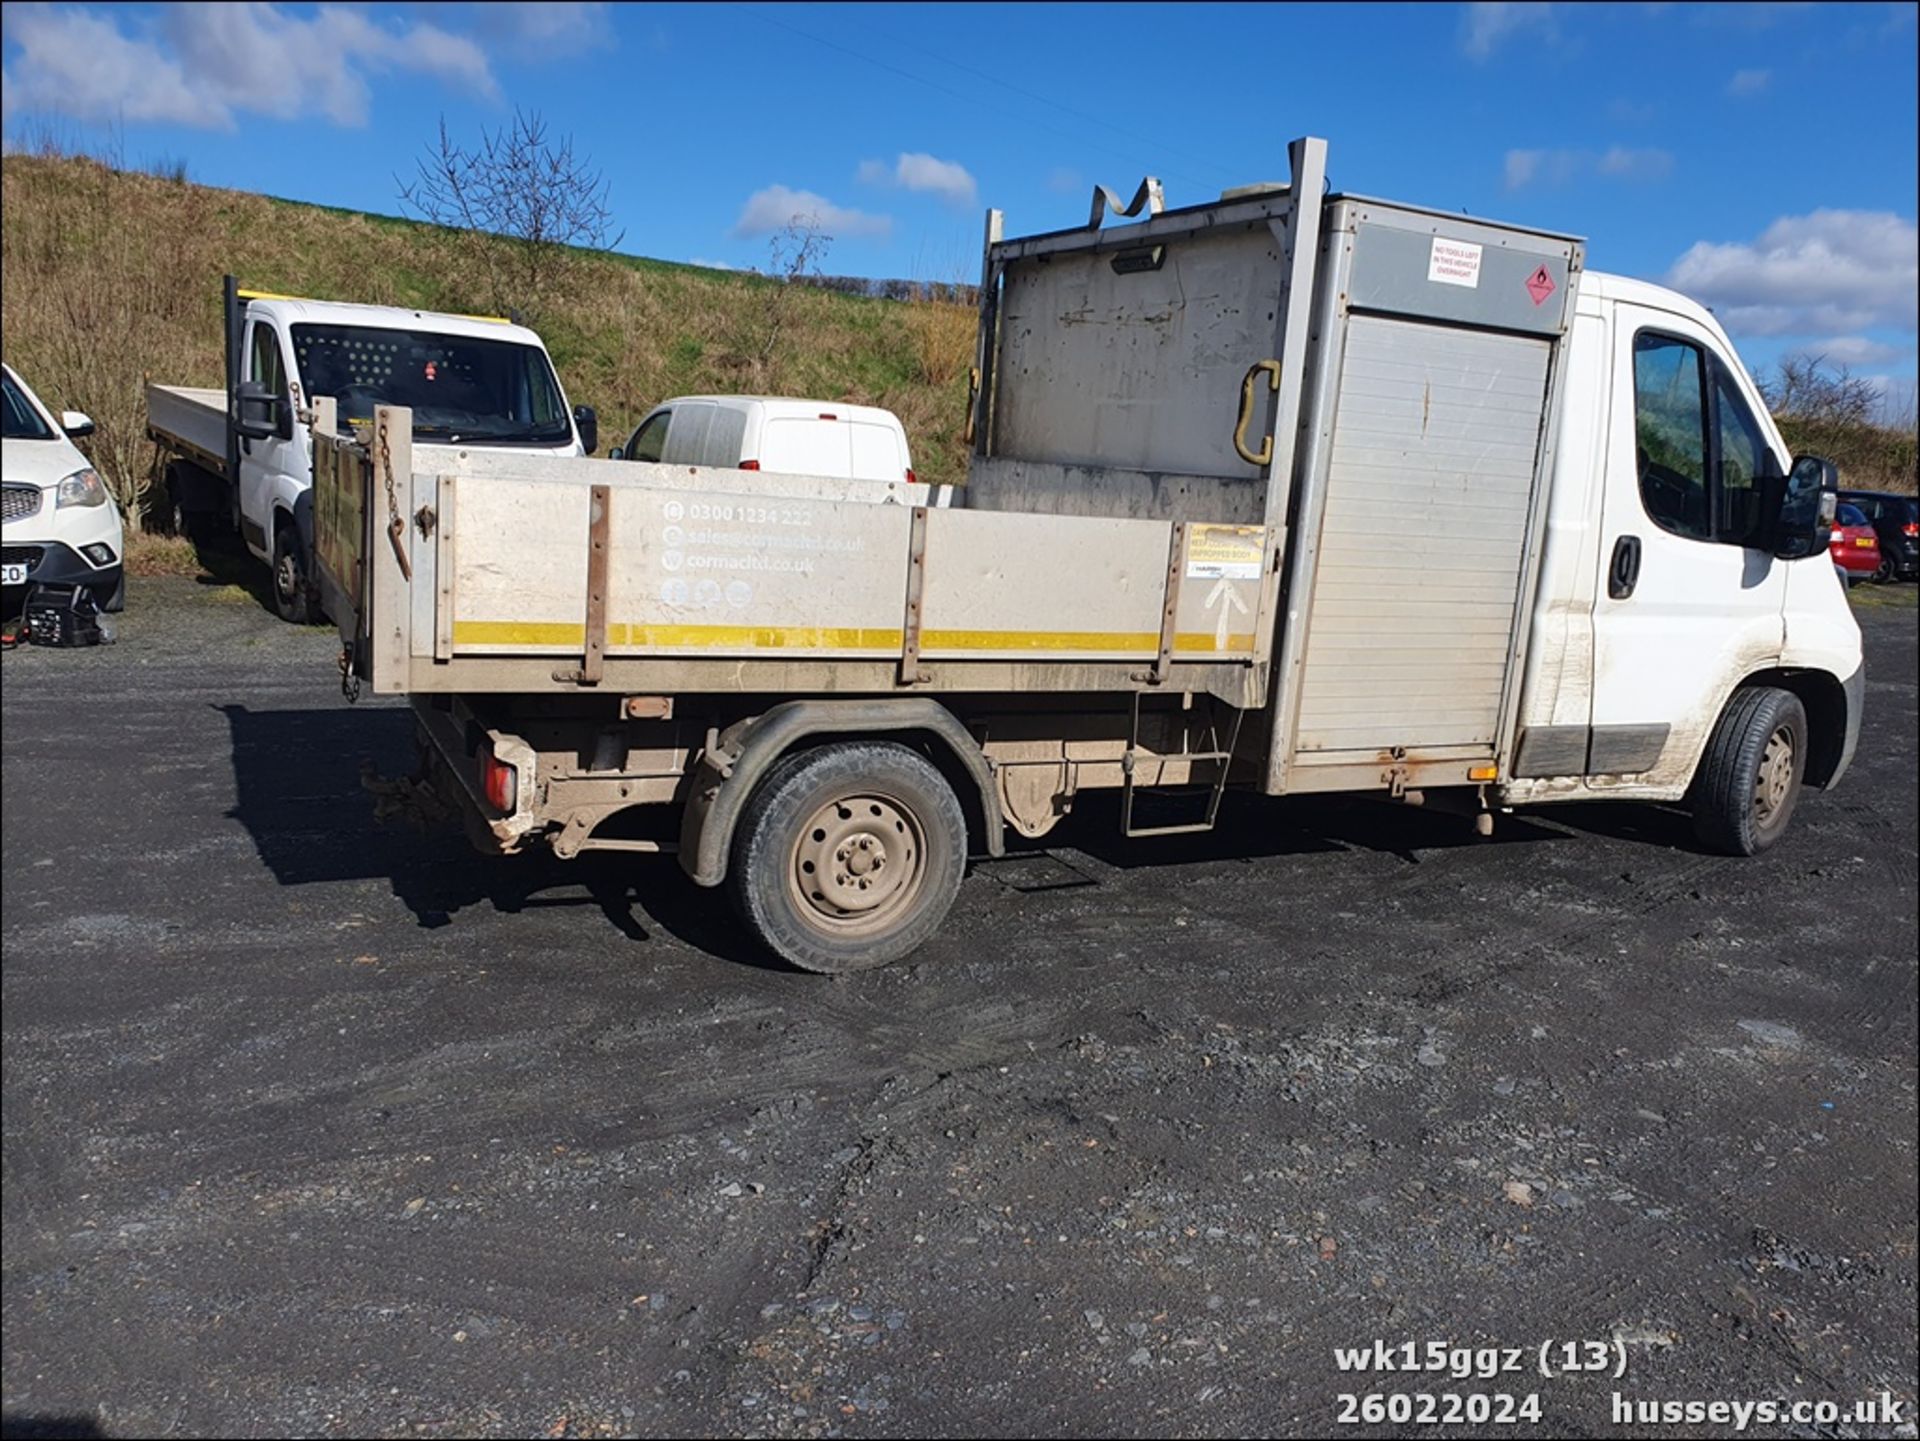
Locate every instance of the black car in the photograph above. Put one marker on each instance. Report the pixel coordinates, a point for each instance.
(1896, 520)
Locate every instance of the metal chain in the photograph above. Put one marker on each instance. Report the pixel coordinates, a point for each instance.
(396, 527)
(349, 682)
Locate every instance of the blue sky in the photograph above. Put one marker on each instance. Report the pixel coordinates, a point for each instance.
(1761, 157)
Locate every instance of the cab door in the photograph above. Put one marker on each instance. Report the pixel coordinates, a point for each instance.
(1687, 603)
(262, 461)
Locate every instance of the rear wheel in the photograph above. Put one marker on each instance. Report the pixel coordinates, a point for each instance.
(290, 595)
(848, 857)
(1749, 779)
(1884, 571)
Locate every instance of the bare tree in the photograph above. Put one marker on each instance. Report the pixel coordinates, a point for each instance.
(1807, 388)
(794, 255)
(520, 202)
(1825, 409)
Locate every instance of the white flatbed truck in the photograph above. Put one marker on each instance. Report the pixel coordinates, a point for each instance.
(239, 456)
(1289, 491)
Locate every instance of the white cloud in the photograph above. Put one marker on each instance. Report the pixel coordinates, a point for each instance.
(75, 63)
(1833, 271)
(544, 29)
(1749, 82)
(1486, 25)
(777, 206)
(1562, 166)
(1858, 350)
(1626, 164)
(715, 264)
(206, 63)
(919, 171)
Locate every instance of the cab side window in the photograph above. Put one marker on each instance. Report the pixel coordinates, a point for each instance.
(1670, 433)
(263, 360)
(650, 439)
(1744, 462)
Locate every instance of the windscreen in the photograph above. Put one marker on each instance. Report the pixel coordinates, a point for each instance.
(459, 387)
(1850, 515)
(23, 422)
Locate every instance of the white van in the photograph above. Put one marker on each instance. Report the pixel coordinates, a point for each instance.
(771, 433)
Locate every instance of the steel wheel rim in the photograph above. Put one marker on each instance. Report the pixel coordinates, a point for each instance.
(287, 577)
(858, 864)
(1774, 783)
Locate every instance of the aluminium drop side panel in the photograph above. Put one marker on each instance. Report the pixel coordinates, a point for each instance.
(1428, 436)
(193, 419)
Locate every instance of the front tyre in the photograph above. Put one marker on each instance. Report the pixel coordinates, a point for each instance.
(290, 594)
(1749, 778)
(847, 857)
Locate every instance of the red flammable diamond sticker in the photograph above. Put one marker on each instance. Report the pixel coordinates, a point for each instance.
(1540, 285)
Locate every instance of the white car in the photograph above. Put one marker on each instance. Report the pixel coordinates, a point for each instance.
(61, 525)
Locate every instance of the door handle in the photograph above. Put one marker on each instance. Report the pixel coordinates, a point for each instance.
(1623, 573)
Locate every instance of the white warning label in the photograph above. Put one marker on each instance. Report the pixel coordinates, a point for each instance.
(1225, 552)
(1454, 262)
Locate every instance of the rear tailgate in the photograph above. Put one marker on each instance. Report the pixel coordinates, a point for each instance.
(342, 487)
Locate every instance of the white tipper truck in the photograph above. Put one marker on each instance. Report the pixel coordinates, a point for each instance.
(1290, 492)
(239, 455)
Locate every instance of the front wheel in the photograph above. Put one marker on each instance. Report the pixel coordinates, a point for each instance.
(847, 857)
(1749, 779)
(290, 596)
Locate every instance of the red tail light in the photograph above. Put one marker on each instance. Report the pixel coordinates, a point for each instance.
(1910, 528)
(749, 465)
(501, 783)
(910, 479)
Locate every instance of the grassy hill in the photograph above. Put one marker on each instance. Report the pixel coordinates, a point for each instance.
(113, 277)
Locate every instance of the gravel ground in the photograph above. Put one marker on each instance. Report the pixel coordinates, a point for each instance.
(323, 1127)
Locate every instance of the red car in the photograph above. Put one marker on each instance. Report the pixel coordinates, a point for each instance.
(1855, 546)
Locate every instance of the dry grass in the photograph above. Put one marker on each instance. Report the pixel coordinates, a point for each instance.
(113, 278)
(149, 555)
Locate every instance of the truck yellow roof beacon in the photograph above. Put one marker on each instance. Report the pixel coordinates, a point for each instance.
(1289, 491)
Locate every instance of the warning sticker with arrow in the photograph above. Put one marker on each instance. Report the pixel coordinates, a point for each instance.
(1225, 552)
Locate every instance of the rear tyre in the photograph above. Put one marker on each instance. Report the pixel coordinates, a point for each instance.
(1749, 779)
(1883, 573)
(290, 594)
(848, 857)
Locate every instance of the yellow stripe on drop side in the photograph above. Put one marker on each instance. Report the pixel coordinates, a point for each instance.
(571, 636)
(519, 632)
(1187, 642)
(756, 637)
(1047, 640)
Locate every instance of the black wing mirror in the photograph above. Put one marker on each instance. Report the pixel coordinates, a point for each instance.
(263, 415)
(589, 426)
(1809, 502)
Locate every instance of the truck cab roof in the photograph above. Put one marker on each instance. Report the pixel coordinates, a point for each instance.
(291, 310)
